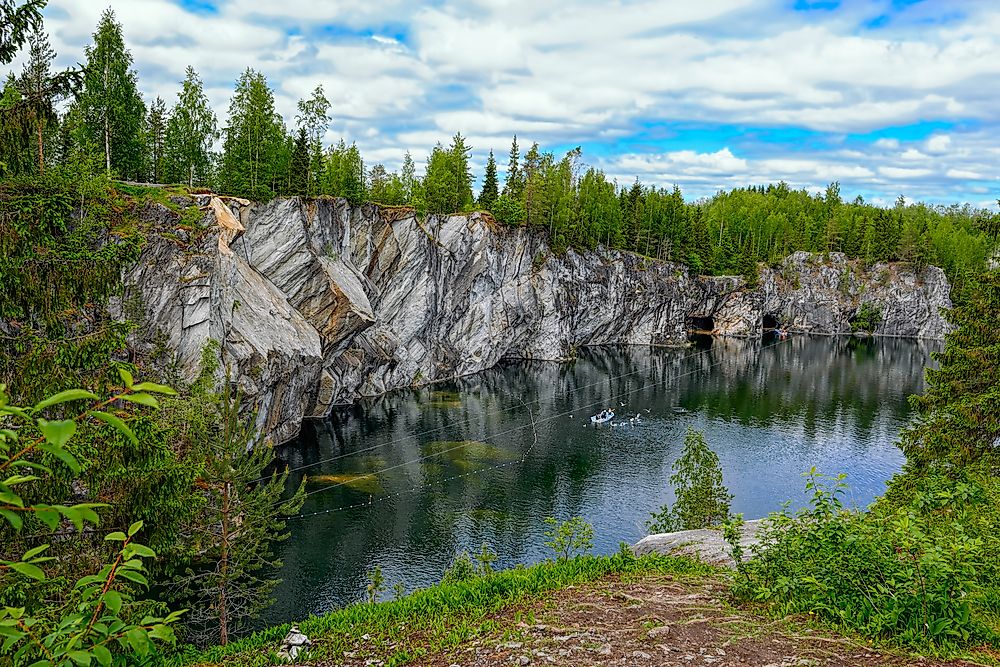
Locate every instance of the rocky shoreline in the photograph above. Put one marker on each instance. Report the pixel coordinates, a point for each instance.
(316, 303)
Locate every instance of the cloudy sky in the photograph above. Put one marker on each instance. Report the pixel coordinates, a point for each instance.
(888, 97)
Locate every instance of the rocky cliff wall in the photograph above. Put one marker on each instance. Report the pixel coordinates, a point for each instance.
(319, 302)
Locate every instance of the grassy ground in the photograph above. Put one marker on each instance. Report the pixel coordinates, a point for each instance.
(438, 619)
(655, 610)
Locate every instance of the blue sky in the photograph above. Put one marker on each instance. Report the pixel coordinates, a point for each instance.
(888, 97)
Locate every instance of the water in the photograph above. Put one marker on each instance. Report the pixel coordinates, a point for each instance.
(771, 411)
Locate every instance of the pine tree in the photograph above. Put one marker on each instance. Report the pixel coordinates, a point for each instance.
(408, 176)
(232, 533)
(191, 131)
(488, 194)
(299, 180)
(156, 127)
(112, 108)
(462, 175)
(254, 140)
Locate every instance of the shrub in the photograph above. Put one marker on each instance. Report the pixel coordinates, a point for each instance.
(571, 538)
(867, 318)
(906, 575)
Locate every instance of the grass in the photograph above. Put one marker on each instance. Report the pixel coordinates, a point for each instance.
(436, 618)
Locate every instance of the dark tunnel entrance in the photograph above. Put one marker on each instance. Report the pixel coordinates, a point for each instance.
(700, 324)
(770, 322)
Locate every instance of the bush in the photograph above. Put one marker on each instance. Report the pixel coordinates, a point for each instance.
(569, 538)
(906, 575)
(867, 318)
(702, 500)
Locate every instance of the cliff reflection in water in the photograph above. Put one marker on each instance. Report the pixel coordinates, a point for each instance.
(770, 410)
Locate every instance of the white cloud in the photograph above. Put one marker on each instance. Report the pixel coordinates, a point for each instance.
(402, 75)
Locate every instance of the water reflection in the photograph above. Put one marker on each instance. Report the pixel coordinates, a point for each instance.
(439, 469)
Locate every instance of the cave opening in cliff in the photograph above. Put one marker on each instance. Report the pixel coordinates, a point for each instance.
(701, 324)
(770, 322)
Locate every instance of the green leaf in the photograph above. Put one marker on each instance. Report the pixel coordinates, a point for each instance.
(116, 423)
(125, 376)
(141, 399)
(143, 551)
(116, 536)
(28, 570)
(11, 498)
(20, 479)
(163, 633)
(65, 397)
(103, 655)
(138, 640)
(155, 388)
(63, 455)
(134, 528)
(13, 518)
(31, 553)
(114, 601)
(133, 576)
(80, 657)
(57, 433)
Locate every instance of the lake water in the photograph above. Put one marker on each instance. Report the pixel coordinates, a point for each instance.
(408, 479)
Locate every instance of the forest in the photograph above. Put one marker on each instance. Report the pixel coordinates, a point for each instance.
(95, 120)
(114, 481)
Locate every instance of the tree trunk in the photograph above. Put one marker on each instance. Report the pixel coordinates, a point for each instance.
(224, 568)
(41, 148)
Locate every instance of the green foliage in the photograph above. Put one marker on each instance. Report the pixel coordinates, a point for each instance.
(490, 190)
(732, 532)
(447, 185)
(343, 173)
(18, 20)
(702, 500)
(190, 132)
(376, 584)
(461, 569)
(907, 575)
(959, 412)
(238, 519)
(867, 318)
(110, 103)
(97, 618)
(253, 141)
(569, 539)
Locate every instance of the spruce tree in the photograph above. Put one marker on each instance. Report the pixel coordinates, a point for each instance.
(254, 140)
(191, 131)
(299, 167)
(488, 194)
(156, 127)
(408, 176)
(17, 21)
(513, 183)
(112, 108)
(959, 411)
(38, 90)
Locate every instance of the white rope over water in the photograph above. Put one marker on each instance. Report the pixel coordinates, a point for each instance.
(521, 459)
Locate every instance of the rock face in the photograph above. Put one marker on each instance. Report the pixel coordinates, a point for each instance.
(319, 302)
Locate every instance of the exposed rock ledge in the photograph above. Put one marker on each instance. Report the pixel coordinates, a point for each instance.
(317, 303)
(706, 543)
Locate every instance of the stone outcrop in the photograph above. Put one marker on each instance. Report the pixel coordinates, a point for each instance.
(707, 544)
(320, 302)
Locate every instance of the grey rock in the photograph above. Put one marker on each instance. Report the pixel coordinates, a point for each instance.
(318, 303)
(707, 544)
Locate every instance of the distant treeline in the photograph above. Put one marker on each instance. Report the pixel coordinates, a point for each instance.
(106, 126)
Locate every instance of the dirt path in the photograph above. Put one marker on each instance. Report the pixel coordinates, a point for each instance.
(656, 621)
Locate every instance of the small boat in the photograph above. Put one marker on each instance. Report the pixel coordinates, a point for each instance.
(602, 417)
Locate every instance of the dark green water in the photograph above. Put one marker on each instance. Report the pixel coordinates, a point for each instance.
(770, 410)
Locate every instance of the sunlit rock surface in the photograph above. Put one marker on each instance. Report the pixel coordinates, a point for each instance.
(320, 302)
